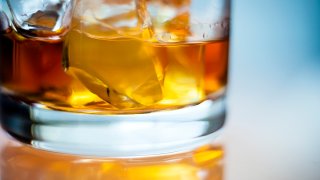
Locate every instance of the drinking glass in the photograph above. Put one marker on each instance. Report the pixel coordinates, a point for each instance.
(117, 78)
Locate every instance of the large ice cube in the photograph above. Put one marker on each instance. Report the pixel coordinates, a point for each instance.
(41, 18)
(101, 89)
(186, 20)
(122, 65)
(183, 73)
(169, 19)
(121, 17)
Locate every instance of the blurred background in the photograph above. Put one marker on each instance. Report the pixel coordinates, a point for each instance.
(273, 125)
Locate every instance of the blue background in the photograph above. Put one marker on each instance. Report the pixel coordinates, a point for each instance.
(273, 125)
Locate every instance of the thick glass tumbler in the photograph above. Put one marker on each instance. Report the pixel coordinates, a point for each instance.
(115, 78)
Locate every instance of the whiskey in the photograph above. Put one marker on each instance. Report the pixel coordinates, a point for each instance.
(120, 73)
(134, 73)
(32, 69)
(102, 67)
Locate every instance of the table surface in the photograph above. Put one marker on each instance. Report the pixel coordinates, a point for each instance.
(273, 122)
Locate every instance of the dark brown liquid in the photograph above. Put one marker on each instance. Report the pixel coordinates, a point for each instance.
(134, 74)
(33, 68)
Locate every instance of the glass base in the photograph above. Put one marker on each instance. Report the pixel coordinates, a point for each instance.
(129, 135)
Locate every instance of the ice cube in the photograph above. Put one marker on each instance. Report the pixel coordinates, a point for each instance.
(188, 21)
(169, 19)
(183, 73)
(44, 19)
(100, 89)
(120, 17)
(41, 18)
(124, 65)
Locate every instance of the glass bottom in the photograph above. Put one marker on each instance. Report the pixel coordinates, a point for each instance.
(128, 135)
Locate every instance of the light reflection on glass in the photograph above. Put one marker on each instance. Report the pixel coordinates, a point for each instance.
(23, 162)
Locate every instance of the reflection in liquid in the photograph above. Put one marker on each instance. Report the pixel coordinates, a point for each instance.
(22, 162)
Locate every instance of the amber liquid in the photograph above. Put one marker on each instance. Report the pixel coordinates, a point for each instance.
(32, 69)
(112, 73)
(206, 163)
